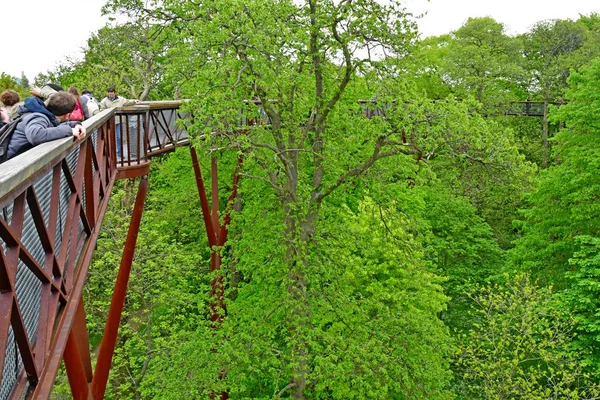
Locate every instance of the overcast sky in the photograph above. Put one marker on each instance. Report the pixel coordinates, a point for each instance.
(39, 34)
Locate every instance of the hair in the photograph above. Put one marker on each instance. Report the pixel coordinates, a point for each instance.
(112, 89)
(73, 90)
(86, 92)
(61, 103)
(9, 98)
(56, 87)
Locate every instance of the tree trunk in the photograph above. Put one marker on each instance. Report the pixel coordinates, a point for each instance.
(296, 257)
(145, 93)
(545, 132)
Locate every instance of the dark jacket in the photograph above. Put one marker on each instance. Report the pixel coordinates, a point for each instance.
(36, 126)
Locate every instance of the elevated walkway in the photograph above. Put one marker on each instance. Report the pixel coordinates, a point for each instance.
(52, 203)
(371, 109)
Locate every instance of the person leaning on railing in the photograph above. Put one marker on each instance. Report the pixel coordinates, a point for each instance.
(113, 100)
(42, 123)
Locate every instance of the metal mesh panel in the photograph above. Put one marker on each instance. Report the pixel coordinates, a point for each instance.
(7, 214)
(94, 142)
(131, 148)
(28, 293)
(94, 135)
(158, 129)
(27, 286)
(43, 190)
(63, 205)
(12, 366)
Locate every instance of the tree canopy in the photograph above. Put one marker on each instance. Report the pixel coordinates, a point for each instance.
(397, 232)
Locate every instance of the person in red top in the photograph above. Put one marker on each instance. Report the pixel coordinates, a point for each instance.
(80, 113)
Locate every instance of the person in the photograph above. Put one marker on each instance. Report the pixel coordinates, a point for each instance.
(113, 100)
(91, 102)
(42, 123)
(44, 93)
(9, 99)
(80, 113)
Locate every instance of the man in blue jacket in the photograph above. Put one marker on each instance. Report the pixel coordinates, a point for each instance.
(40, 123)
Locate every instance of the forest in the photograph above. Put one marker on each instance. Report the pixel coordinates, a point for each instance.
(447, 247)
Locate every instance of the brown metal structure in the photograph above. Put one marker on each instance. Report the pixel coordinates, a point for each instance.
(53, 200)
(530, 108)
(217, 233)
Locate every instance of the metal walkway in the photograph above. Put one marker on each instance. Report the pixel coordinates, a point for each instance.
(52, 202)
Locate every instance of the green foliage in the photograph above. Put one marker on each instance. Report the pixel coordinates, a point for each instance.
(427, 67)
(565, 204)
(526, 134)
(355, 242)
(166, 290)
(517, 349)
(9, 82)
(483, 62)
(373, 326)
(583, 298)
(462, 248)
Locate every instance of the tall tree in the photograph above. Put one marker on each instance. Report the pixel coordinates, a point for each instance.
(131, 55)
(549, 48)
(427, 67)
(561, 225)
(565, 204)
(9, 82)
(128, 56)
(483, 61)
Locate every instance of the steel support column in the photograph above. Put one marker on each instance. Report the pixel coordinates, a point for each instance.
(76, 371)
(109, 339)
(217, 236)
(82, 340)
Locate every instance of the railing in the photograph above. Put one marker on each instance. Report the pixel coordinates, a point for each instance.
(370, 108)
(529, 108)
(52, 202)
(163, 132)
(144, 131)
(52, 198)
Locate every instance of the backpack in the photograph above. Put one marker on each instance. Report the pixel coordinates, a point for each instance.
(6, 132)
(93, 106)
(77, 114)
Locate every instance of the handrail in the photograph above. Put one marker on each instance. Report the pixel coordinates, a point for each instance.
(26, 165)
(162, 104)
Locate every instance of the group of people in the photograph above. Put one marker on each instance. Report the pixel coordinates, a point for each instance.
(52, 113)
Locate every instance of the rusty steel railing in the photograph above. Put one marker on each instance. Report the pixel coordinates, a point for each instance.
(144, 131)
(52, 203)
(53, 199)
(163, 134)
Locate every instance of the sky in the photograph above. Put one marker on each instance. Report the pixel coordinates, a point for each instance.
(40, 34)
(48, 32)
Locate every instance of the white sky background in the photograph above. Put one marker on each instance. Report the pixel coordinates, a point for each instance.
(39, 34)
(48, 31)
(518, 16)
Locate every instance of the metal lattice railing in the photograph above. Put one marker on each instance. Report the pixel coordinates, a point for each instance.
(52, 203)
(50, 200)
